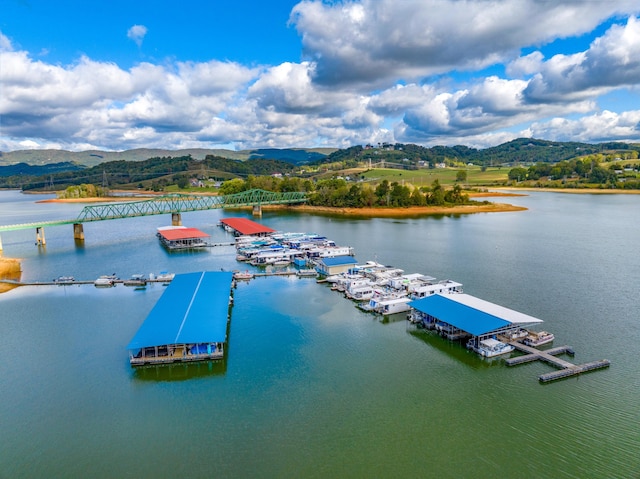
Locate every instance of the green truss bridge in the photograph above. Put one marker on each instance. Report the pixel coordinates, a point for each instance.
(173, 204)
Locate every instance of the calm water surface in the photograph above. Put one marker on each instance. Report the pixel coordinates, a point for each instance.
(312, 387)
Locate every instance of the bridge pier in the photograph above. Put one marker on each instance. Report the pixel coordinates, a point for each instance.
(40, 239)
(0, 245)
(176, 219)
(78, 232)
(257, 210)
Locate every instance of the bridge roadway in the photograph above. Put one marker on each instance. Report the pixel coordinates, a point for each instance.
(173, 204)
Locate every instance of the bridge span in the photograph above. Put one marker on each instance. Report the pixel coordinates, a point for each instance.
(173, 204)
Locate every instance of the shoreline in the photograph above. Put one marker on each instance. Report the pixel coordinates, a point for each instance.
(10, 269)
(371, 212)
(575, 191)
(412, 211)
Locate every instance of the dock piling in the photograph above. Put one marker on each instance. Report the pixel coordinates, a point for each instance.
(40, 239)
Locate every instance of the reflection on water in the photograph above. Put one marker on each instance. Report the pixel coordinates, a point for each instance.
(454, 349)
(180, 371)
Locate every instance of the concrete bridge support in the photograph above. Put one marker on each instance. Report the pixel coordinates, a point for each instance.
(78, 232)
(40, 239)
(176, 219)
(257, 210)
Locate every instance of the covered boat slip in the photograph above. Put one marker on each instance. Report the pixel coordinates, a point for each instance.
(188, 323)
(243, 226)
(180, 237)
(461, 315)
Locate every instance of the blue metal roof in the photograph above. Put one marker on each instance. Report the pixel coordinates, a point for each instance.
(339, 260)
(192, 309)
(446, 309)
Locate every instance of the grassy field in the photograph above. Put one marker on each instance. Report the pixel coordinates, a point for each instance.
(446, 176)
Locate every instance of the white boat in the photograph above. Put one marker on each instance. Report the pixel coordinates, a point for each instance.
(536, 338)
(164, 276)
(515, 334)
(489, 347)
(386, 304)
(307, 272)
(242, 275)
(104, 282)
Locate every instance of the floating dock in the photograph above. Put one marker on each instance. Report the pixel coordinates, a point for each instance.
(566, 368)
(188, 323)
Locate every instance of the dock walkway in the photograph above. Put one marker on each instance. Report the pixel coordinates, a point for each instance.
(566, 368)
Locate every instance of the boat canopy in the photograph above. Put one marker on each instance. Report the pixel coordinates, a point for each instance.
(194, 308)
(470, 314)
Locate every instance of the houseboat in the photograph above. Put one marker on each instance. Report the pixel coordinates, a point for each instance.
(489, 347)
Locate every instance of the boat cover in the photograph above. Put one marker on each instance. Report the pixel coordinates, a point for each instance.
(470, 314)
(194, 308)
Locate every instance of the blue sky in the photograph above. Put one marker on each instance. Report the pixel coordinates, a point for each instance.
(118, 74)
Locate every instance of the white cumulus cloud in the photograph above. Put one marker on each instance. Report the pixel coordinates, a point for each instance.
(137, 34)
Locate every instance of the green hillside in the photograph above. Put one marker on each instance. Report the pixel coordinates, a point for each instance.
(96, 157)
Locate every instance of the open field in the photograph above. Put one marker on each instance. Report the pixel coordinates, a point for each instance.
(446, 176)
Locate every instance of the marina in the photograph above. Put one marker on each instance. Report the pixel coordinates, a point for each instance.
(488, 329)
(311, 385)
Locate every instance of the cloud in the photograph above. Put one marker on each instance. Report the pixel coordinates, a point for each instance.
(5, 43)
(365, 79)
(376, 42)
(602, 126)
(612, 61)
(137, 34)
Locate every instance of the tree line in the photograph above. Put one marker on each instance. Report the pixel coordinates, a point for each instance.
(578, 172)
(339, 193)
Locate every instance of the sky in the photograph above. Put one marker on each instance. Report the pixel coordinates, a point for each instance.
(242, 74)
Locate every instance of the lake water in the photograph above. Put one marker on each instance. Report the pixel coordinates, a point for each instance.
(312, 387)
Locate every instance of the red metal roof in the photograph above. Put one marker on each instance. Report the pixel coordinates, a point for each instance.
(182, 233)
(246, 227)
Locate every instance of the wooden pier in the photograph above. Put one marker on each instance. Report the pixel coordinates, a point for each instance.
(116, 281)
(566, 368)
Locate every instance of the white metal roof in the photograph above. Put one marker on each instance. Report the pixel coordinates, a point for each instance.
(496, 310)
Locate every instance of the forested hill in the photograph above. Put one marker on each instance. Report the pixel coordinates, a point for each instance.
(95, 157)
(37, 170)
(516, 152)
(153, 173)
(522, 150)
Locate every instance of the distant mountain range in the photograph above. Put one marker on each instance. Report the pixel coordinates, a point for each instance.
(95, 157)
(519, 151)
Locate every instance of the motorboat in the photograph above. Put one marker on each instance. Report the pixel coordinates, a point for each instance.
(136, 280)
(242, 275)
(105, 281)
(538, 338)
